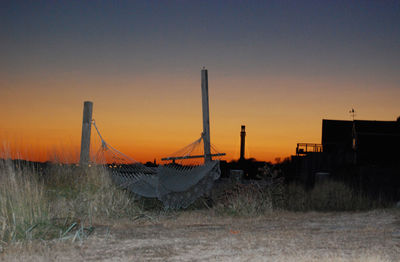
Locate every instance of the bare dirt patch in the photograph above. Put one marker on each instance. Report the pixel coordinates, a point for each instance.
(205, 236)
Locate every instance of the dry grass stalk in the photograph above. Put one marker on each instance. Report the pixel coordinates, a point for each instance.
(244, 200)
(35, 205)
(23, 206)
(328, 196)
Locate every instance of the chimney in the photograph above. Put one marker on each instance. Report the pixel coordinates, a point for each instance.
(242, 142)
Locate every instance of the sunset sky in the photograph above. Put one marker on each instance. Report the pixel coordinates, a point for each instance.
(278, 67)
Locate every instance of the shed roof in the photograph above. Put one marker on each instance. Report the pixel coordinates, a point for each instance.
(340, 131)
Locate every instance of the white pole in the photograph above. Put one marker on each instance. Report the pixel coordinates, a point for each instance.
(86, 129)
(206, 115)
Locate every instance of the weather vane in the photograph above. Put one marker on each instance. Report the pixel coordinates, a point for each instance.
(352, 113)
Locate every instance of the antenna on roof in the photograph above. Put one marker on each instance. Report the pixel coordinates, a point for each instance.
(352, 113)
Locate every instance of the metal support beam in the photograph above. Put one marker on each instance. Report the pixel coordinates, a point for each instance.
(206, 115)
(86, 129)
(189, 157)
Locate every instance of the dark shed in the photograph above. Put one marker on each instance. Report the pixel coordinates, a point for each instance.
(367, 142)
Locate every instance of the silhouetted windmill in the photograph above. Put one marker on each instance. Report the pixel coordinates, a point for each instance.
(352, 113)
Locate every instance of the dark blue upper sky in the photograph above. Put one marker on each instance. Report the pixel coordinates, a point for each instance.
(303, 37)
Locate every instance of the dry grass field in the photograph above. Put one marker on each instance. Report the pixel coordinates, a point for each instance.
(205, 236)
(72, 214)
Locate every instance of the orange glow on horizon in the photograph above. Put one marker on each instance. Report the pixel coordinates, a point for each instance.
(152, 117)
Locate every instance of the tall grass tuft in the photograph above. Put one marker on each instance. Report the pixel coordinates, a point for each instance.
(244, 200)
(58, 201)
(99, 198)
(328, 196)
(88, 194)
(23, 205)
(254, 199)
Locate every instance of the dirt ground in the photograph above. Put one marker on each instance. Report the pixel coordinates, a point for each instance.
(204, 236)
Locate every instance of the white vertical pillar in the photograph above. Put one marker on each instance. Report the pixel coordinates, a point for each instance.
(206, 115)
(86, 129)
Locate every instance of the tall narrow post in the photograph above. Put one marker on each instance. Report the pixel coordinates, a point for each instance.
(86, 129)
(206, 115)
(242, 142)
